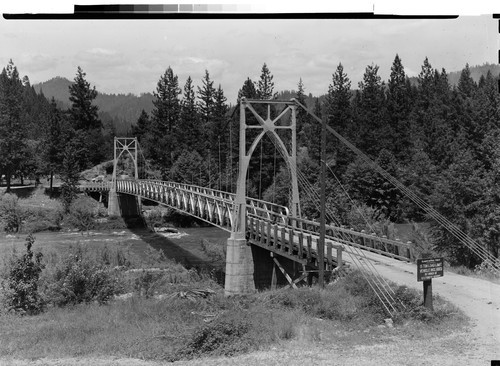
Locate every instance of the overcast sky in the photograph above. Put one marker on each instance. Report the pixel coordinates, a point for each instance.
(130, 56)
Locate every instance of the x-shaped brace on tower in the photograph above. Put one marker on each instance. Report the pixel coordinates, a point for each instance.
(267, 126)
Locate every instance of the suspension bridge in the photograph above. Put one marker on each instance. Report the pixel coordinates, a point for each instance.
(266, 237)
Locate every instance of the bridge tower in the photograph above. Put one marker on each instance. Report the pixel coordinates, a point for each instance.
(239, 258)
(122, 145)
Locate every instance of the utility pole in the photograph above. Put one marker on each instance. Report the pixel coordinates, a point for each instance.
(322, 219)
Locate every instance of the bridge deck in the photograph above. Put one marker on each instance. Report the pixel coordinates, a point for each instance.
(268, 225)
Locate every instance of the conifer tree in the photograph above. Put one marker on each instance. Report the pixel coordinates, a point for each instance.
(206, 95)
(303, 118)
(313, 134)
(265, 84)
(247, 90)
(161, 140)
(54, 141)
(337, 102)
(12, 132)
(85, 120)
(83, 113)
(373, 131)
(142, 126)
(398, 108)
(190, 120)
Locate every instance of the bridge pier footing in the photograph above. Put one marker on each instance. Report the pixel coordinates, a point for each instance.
(113, 204)
(239, 268)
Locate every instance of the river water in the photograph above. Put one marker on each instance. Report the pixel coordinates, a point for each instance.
(184, 247)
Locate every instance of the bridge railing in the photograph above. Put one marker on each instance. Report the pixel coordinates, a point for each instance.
(371, 242)
(95, 186)
(210, 205)
(291, 242)
(216, 207)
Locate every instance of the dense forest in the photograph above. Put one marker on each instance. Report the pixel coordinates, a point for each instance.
(437, 139)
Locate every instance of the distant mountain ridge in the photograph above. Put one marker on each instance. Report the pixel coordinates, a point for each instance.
(123, 110)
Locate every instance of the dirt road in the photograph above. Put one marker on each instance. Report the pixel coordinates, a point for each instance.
(479, 299)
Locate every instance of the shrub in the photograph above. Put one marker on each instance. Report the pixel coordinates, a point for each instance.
(22, 294)
(41, 219)
(154, 218)
(81, 279)
(225, 336)
(82, 213)
(215, 251)
(147, 283)
(11, 213)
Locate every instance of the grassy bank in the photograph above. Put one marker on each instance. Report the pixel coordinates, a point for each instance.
(164, 312)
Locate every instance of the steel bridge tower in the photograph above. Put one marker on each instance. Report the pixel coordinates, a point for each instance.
(122, 145)
(239, 259)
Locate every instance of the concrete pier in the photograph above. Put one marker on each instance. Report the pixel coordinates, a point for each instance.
(113, 204)
(239, 268)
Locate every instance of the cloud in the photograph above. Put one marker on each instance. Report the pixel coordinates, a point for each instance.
(100, 57)
(35, 62)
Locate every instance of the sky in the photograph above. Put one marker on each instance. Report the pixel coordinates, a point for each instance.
(129, 56)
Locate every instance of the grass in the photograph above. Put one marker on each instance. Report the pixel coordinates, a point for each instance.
(179, 327)
(481, 271)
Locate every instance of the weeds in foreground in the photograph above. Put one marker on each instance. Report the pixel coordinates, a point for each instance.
(176, 327)
(216, 252)
(21, 293)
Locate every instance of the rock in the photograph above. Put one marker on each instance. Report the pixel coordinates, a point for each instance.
(389, 323)
(124, 296)
(166, 230)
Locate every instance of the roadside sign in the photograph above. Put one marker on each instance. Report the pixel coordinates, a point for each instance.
(429, 268)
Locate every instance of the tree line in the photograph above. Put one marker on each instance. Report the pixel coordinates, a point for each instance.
(437, 139)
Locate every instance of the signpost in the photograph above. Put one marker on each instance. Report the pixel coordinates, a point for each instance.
(427, 269)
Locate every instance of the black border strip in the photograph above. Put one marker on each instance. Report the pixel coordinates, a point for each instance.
(121, 12)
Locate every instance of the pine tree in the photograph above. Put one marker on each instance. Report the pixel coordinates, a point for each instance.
(265, 84)
(12, 132)
(398, 108)
(142, 126)
(313, 135)
(426, 84)
(466, 85)
(337, 102)
(190, 120)
(373, 130)
(338, 110)
(85, 121)
(70, 172)
(219, 134)
(247, 90)
(472, 130)
(54, 141)
(161, 141)
(206, 94)
(303, 118)
(83, 113)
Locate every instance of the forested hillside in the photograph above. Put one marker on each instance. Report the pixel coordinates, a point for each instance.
(117, 110)
(438, 139)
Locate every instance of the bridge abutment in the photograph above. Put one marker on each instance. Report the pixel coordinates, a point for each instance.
(239, 268)
(113, 204)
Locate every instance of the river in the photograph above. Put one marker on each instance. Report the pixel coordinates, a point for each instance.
(184, 247)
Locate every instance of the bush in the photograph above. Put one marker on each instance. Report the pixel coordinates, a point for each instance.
(221, 338)
(215, 251)
(82, 213)
(80, 279)
(22, 294)
(41, 219)
(11, 213)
